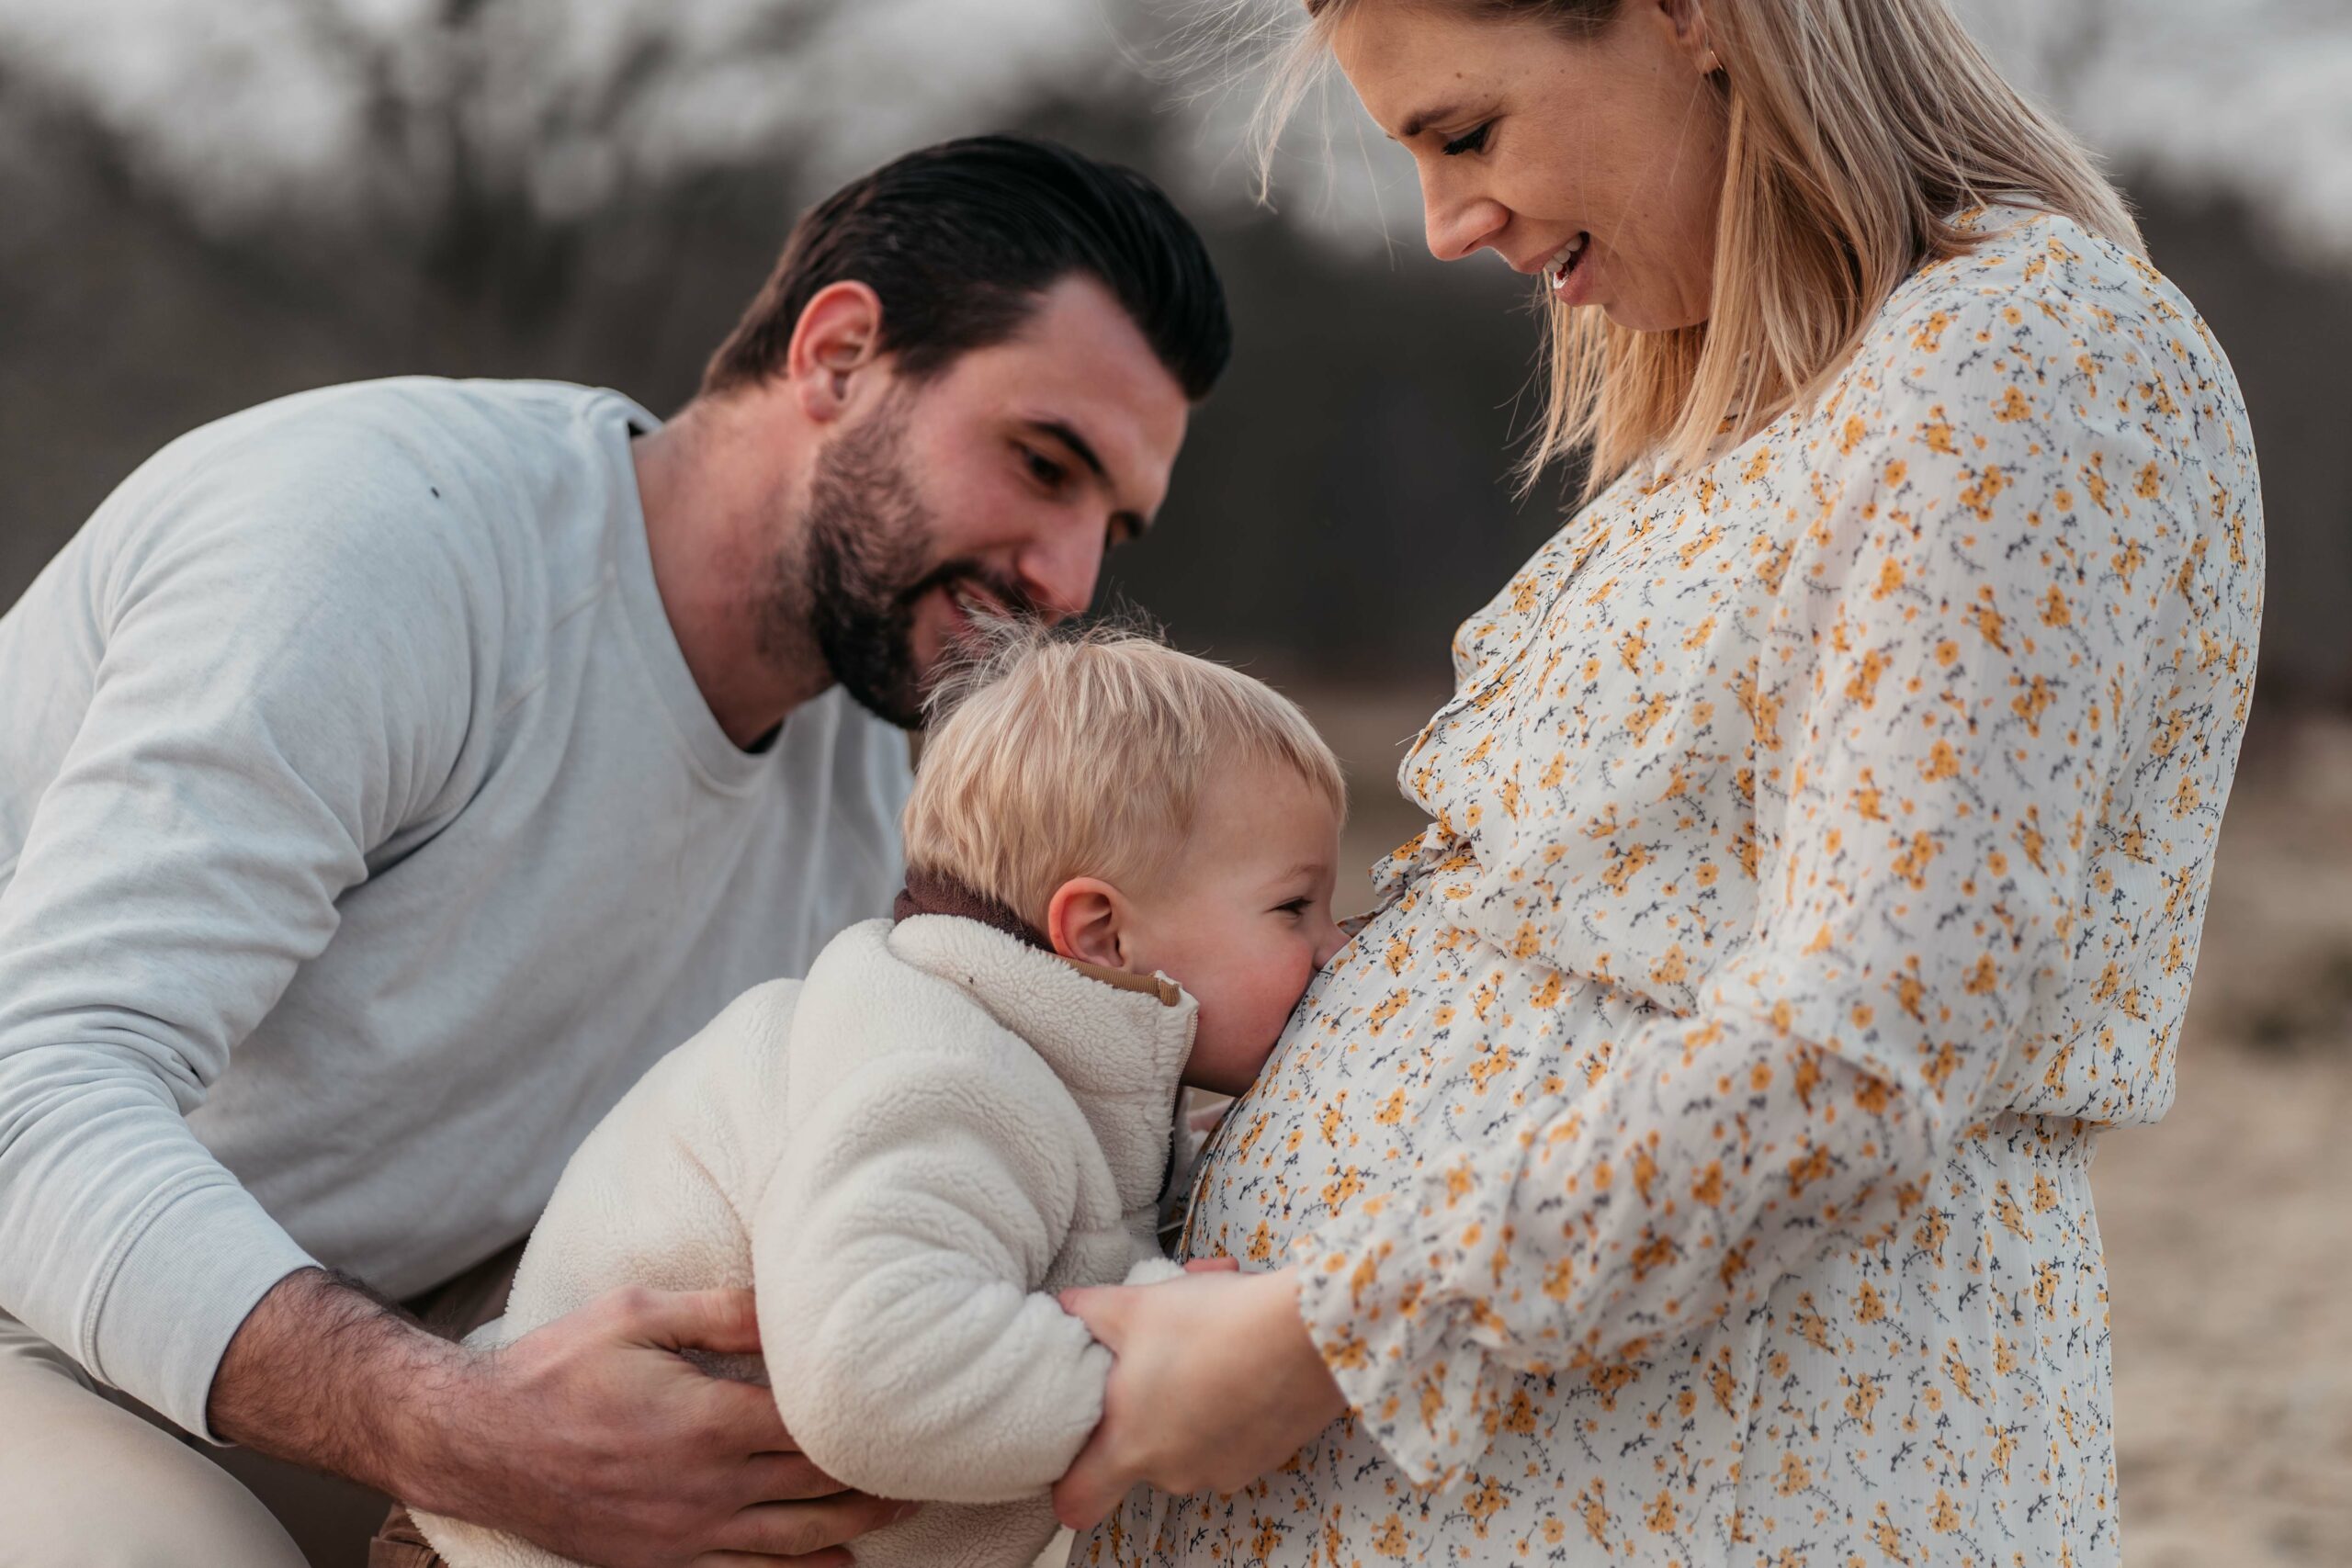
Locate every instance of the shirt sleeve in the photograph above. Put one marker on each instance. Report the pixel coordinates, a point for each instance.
(1967, 659)
(276, 693)
(894, 1255)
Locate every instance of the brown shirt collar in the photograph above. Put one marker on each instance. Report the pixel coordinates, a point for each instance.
(935, 893)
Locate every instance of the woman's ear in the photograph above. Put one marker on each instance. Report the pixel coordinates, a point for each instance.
(1687, 19)
(1087, 920)
(838, 336)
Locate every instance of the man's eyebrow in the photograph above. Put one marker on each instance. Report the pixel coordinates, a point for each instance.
(1063, 432)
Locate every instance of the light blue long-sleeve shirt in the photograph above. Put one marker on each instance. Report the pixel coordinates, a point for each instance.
(363, 837)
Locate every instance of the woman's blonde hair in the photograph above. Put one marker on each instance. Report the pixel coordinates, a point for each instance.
(1858, 131)
(1085, 752)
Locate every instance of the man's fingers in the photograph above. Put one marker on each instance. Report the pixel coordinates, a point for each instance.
(720, 1321)
(787, 1478)
(743, 1417)
(796, 1529)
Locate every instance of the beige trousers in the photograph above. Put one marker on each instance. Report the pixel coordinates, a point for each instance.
(91, 1479)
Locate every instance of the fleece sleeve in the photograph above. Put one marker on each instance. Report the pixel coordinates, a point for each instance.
(895, 1252)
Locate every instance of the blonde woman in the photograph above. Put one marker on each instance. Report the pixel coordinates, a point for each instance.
(1687, 1164)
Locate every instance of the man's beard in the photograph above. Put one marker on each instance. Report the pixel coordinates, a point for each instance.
(865, 565)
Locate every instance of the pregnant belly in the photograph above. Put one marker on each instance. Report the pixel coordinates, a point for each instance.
(1956, 1368)
(1420, 1040)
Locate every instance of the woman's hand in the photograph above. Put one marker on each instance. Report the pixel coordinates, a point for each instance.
(1215, 1383)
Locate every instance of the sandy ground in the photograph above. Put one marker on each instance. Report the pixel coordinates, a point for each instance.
(2229, 1226)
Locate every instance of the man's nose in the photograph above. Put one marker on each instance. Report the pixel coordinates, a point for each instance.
(1058, 571)
(1458, 224)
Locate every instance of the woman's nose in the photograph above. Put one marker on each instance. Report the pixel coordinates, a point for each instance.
(1459, 225)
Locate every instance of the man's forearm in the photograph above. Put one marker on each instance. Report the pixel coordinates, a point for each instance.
(591, 1435)
(325, 1374)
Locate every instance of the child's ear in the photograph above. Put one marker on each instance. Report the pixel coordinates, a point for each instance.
(1087, 920)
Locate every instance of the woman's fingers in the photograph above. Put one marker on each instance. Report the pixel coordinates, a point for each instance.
(1215, 1381)
(1105, 1469)
(1085, 1495)
(1102, 1309)
(1214, 1266)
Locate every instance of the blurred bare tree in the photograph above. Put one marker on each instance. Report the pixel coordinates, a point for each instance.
(211, 205)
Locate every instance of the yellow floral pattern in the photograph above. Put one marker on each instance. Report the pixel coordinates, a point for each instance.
(1689, 1163)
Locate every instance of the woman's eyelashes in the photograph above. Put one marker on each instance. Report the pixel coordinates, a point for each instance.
(1469, 141)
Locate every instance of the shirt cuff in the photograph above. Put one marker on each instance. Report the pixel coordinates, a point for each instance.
(162, 1318)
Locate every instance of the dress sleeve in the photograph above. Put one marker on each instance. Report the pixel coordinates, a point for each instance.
(894, 1255)
(1970, 631)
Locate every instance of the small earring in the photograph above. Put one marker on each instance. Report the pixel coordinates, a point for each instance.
(1709, 65)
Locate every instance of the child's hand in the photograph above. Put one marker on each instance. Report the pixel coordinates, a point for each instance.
(1214, 1266)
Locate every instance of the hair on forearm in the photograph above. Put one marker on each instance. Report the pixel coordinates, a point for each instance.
(321, 1372)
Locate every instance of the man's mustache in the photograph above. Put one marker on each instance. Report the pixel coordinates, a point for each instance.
(1010, 598)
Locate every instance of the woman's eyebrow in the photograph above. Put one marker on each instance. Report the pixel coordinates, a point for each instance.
(1415, 123)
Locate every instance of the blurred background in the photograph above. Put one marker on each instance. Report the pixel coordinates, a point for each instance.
(205, 205)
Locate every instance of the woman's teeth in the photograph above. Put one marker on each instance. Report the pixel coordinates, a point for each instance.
(1564, 262)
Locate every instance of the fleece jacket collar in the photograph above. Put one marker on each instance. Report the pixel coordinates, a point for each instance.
(1118, 1042)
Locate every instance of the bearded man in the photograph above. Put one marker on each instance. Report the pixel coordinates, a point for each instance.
(395, 772)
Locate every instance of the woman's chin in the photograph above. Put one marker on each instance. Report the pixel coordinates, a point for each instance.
(1645, 318)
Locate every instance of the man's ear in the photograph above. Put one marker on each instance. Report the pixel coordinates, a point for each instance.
(1087, 920)
(838, 336)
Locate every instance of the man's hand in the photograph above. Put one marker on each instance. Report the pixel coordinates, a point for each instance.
(1215, 1381)
(591, 1436)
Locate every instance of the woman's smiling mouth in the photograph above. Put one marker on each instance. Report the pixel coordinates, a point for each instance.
(1562, 264)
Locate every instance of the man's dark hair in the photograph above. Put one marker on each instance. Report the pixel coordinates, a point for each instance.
(959, 239)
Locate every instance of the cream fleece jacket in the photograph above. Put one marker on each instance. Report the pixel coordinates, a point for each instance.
(905, 1156)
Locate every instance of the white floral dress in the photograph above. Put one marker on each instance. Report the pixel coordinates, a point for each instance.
(1689, 1163)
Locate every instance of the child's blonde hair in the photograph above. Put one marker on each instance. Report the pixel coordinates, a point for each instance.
(1084, 752)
